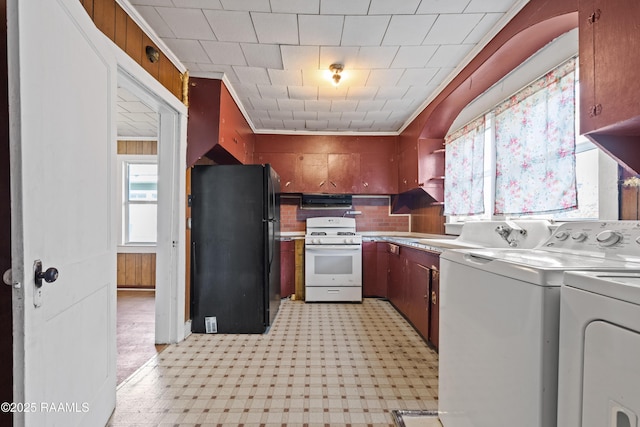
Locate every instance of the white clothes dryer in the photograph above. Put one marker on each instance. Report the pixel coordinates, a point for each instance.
(499, 322)
(599, 375)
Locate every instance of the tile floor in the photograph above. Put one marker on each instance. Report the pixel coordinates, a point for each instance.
(324, 364)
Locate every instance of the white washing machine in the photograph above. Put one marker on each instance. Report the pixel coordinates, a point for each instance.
(499, 322)
(599, 378)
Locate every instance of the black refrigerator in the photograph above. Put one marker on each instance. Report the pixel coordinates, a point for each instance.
(235, 248)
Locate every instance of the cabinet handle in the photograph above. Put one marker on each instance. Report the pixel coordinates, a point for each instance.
(365, 184)
(434, 298)
(333, 183)
(321, 184)
(594, 17)
(595, 110)
(287, 184)
(421, 184)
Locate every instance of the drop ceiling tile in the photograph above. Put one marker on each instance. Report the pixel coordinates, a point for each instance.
(452, 29)
(153, 18)
(250, 5)
(417, 76)
(258, 114)
(387, 7)
(377, 115)
(485, 25)
(166, 3)
(354, 77)
(248, 91)
(295, 6)
(362, 92)
(343, 105)
(371, 105)
(187, 23)
(346, 56)
(188, 50)
(208, 70)
(290, 104)
(231, 25)
(413, 56)
(281, 115)
(226, 53)
(376, 57)
(443, 6)
(198, 4)
(279, 28)
(384, 77)
(255, 75)
(449, 55)
(264, 104)
(353, 115)
(316, 124)
(487, 6)
(305, 115)
(332, 92)
(342, 7)
(360, 124)
(285, 77)
(269, 91)
(364, 30)
(272, 124)
(320, 30)
(408, 29)
(397, 92)
(398, 104)
(294, 124)
(262, 55)
(303, 92)
(315, 105)
(300, 57)
(329, 115)
(316, 77)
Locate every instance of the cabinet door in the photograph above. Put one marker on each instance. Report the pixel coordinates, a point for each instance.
(394, 289)
(382, 266)
(287, 268)
(418, 297)
(609, 46)
(434, 315)
(285, 165)
(378, 173)
(343, 173)
(369, 269)
(408, 169)
(312, 172)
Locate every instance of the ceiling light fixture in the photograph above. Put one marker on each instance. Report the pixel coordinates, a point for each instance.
(336, 69)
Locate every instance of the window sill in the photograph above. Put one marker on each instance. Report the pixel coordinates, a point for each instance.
(137, 249)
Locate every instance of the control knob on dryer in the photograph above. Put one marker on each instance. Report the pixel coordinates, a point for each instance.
(579, 236)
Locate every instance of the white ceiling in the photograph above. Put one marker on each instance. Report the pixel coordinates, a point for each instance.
(135, 120)
(275, 54)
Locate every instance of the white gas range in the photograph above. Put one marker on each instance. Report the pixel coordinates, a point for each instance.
(333, 260)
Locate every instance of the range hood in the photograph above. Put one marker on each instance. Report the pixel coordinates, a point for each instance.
(326, 201)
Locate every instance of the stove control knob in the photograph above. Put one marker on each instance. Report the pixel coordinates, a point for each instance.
(316, 241)
(562, 235)
(608, 238)
(579, 236)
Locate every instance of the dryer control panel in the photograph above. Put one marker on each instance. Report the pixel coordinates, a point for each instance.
(620, 238)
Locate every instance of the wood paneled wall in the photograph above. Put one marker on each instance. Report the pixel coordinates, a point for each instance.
(114, 22)
(137, 270)
(138, 147)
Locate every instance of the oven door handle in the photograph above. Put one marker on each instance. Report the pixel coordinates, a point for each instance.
(322, 248)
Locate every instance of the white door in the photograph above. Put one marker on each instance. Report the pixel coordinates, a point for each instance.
(62, 85)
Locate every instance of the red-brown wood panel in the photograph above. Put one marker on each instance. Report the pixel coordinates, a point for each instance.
(121, 28)
(204, 111)
(287, 268)
(343, 172)
(378, 173)
(312, 170)
(285, 165)
(382, 267)
(587, 66)
(370, 269)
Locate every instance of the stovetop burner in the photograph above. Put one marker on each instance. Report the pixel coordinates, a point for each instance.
(318, 233)
(346, 233)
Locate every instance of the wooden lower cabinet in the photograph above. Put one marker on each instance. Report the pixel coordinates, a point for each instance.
(412, 282)
(287, 268)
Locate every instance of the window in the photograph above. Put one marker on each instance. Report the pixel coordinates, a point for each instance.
(589, 185)
(140, 202)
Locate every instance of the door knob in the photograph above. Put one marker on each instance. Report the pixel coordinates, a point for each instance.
(6, 277)
(50, 275)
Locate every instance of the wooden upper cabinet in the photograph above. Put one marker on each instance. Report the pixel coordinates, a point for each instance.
(609, 49)
(285, 165)
(312, 171)
(421, 166)
(343, 173)
(378, 173)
